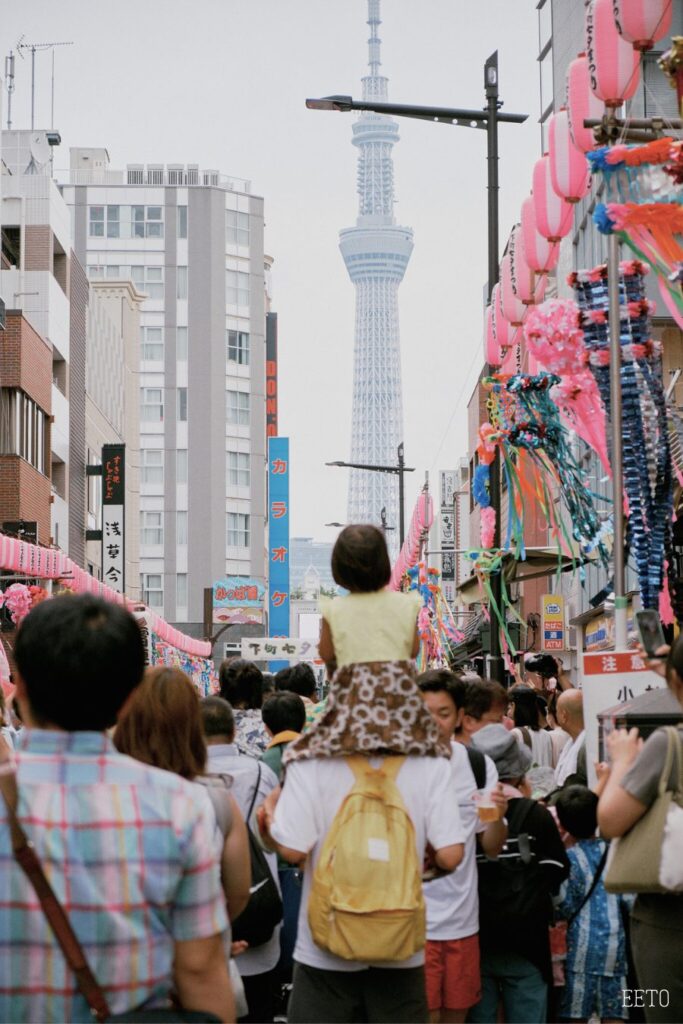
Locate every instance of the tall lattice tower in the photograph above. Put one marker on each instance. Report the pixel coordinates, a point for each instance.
(376, 252)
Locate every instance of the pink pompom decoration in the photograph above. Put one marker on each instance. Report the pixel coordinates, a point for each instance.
(488, 527)
(554, 336)
(17, 600)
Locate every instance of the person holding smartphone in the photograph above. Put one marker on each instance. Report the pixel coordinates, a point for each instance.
(630, 791)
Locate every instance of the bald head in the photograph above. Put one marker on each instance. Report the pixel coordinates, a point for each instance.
(570, 712)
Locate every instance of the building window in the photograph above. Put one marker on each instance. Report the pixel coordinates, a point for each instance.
(238, 530)
(152, 344)
(236, 228)
(181, 344)
(152, 528)
(152, 405)
(181, 529)
(237, 408)
(152, 468)
(236, 288)
(181, 466)
(238, 347)
(182, 405)
(23, 428)
(152, 590)
(113, 222)
(181, 590)
(146, 222)
(149, 280)
(181, 282)
(182, 222)
(96, 222)
(237, 464)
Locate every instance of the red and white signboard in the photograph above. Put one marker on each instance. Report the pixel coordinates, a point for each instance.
(609, 678)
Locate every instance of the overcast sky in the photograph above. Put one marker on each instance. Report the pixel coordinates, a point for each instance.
(222, 83)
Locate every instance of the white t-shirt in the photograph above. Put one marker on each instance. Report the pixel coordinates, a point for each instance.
(313, 793)
(453, 900)
(541, 746)
(567, 761)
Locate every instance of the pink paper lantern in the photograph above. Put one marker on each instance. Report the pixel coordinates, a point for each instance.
(642, 22)
(540, 254)
(613, 64)
(491, 347)
(504, 331)
(513, 308)
(525, 285)
(582, 105)
(569, 173)
(554, 215)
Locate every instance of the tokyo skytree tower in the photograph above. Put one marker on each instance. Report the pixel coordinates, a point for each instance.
(376, 253)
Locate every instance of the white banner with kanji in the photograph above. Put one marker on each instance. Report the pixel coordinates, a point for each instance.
(609, 678)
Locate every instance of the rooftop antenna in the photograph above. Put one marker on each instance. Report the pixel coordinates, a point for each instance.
(21, 45)
(9, 85)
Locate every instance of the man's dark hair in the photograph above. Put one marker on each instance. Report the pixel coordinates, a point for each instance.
(360, 560)
(297, 679)
(241, 683)
(217, 717)
(544, 664)
(484, 695)
(268, 683)
(80, 658)
(442, 680)
(284, 710)
(577, 809)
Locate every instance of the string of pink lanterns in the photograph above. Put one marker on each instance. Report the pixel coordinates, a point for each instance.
(603, 77)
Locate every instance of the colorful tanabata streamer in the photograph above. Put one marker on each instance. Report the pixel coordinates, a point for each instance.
(644, 192)
(648, 473)
(529, 422)
(555, 338)
(435, 623)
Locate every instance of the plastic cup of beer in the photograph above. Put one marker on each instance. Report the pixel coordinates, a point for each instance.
(486, 808)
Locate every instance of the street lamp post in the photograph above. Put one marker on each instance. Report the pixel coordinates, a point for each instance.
(488, 120)
(399, 469)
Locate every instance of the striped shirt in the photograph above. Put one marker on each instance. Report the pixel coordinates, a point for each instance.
(130, 852)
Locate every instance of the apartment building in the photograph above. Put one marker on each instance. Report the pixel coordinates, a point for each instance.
(191, 241)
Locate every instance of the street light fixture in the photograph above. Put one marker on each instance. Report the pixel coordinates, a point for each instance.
(487, 119)
(399, 469)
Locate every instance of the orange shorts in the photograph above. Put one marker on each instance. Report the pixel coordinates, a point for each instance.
(452, 973)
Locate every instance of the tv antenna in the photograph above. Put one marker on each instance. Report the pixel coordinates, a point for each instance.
(9, 85)
(21, 46)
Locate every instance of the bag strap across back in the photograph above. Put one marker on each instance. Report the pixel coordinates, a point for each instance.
(27, 859)
(596, 878)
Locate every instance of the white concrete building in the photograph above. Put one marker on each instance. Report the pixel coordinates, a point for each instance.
(192, 242)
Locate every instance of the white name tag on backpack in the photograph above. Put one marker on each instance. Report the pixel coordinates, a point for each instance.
(378, 849)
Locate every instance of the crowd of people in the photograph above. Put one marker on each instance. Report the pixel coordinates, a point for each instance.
(408, 849)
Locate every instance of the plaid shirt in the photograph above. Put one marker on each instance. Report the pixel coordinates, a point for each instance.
(130, 852)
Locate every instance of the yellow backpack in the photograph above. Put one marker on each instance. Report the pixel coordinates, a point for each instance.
(366, 898)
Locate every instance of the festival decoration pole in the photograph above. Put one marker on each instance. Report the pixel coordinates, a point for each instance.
(620, 600)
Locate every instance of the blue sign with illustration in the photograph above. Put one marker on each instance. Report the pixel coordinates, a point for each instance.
(278, 540)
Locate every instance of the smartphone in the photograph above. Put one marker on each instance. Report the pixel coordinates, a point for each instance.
(650, 629)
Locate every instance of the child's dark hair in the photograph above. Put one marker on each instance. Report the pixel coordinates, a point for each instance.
(442, 680)
(577, 809)
(360, 560)
(284, 711)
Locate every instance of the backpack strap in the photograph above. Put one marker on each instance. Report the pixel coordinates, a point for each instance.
(256, 789)
(478, 766)
(526, 737)
(596, 878)
(360, 764)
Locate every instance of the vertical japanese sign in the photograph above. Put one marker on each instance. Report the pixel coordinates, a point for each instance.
(447, 534)
(113, 516)
(278, 538)
(271, 374)
(552, 622)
